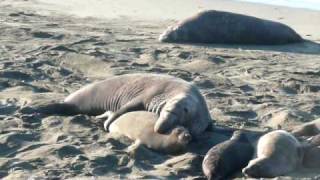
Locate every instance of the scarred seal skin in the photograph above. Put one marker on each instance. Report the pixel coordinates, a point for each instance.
(139, 125)
(278, 153)
(221, 27)
(177, 102)
(227, 158)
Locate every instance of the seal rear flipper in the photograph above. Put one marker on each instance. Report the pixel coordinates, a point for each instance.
(52, 108)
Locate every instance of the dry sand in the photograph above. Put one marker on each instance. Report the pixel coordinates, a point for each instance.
(52, 48)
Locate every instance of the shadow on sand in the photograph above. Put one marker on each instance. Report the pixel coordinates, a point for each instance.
(304, 47)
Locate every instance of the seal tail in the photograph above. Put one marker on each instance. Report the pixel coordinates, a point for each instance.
(51, 109)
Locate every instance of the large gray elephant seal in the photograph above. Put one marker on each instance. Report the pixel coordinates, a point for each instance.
(278, 153)
(307, 129)
(177, 102)
(227, 158)
(229, 28)
(139, 125)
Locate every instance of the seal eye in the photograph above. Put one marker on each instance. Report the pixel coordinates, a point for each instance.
(185, 110)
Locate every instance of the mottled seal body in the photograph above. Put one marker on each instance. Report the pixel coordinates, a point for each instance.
(229, 28)
(278, 153)
(307, 129)
(226, 158)
(139, 125)
(176, 101)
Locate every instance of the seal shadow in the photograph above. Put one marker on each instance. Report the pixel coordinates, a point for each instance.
(304, 47)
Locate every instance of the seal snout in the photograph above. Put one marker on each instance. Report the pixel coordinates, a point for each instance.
(182, 134)
(168, 35)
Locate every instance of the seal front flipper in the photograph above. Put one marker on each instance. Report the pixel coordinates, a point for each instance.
(133, 105)
(105, 115)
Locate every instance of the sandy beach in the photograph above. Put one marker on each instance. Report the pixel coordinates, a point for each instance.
(49, 49)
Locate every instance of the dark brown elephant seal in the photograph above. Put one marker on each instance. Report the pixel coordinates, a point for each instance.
(315, 140)
(177, 102)
(139, 125)
(227, 158)
(229, 28)
(311, 158)
(278, 153)
(307, 129)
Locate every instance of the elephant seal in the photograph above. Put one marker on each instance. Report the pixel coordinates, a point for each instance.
(139, 125)
(307, 129)
(227, 158)
(311, 158)
(177, 102)
(314, 140)
(229, 28)
(278, 153)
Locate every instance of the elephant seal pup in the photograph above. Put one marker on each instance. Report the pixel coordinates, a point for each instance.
(307, 129)
(229, 28)
(227, 158)
(278, 153)
(139, 125)
(177, 102)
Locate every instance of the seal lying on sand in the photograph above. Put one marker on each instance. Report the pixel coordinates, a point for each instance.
(311, 158)
(315, 140)
(176, 101)
(308, 129)
(226, 158)
(229, 28)
(139, 125)
(278, 153)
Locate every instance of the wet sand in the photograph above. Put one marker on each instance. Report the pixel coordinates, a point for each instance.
(47, 52)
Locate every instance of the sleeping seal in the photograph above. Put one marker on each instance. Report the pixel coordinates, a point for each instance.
(139, 125)
(311, 158)
(307, 129)
(226, 158)
(229, 28)
(177, 102)
(278, 153)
